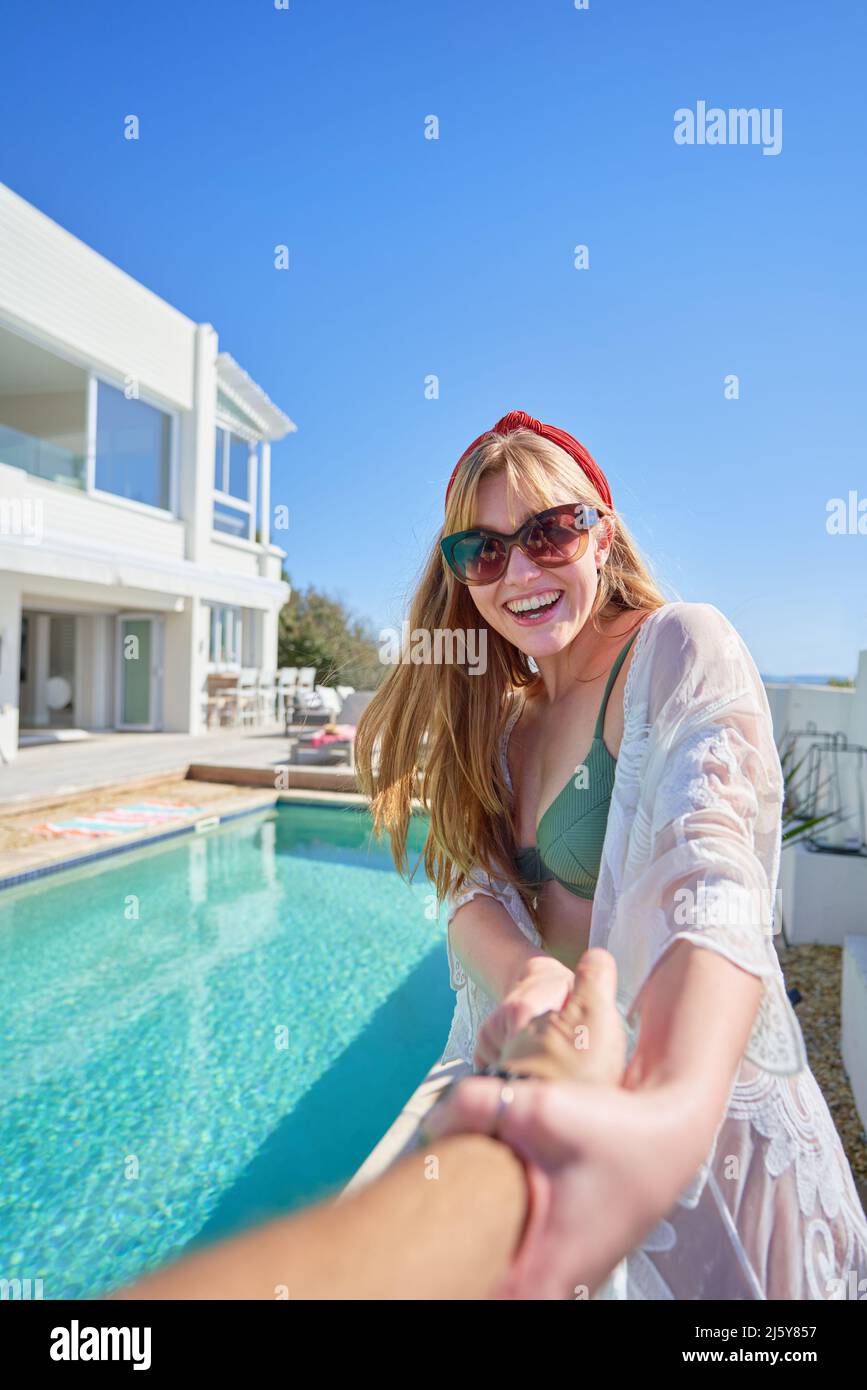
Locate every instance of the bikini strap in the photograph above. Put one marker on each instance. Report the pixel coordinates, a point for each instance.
(621, 657)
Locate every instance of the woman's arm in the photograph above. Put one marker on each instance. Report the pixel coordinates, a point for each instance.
(418, 1231)
(697, 1011)
(403, 1236)
(699, 912)
(524, 980)
(639, 1148)
(492, 949)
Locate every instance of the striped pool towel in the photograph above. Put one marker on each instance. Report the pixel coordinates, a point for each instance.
(120, 820)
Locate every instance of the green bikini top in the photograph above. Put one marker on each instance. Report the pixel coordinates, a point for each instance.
(572, 830)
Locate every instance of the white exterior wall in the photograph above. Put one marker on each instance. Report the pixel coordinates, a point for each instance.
(269, 638)
(95, 555)
(853, 1032)
(95, 671)
(824, 895)
(185, 660)
(10, 646)
(74, 520)
(66, 296)
(197, 448)
(829, 707)
(238, 557)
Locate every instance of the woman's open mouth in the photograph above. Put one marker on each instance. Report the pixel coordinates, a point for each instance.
(530, 612)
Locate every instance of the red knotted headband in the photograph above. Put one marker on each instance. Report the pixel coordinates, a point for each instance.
(520, 420)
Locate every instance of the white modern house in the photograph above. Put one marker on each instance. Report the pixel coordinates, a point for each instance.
(135, 549)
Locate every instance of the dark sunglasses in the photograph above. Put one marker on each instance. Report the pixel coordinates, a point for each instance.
(551, 538)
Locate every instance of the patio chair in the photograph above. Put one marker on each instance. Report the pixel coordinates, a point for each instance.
(267, 696)
(247, 696)
(354, 705)
(208, 706)
(287, 679)
(306, 682)
(331, 702)
(303, 694)
(221, 701)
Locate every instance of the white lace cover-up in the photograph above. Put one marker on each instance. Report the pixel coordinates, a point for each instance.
(692, 852)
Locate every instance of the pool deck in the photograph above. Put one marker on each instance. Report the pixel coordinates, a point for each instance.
(49, 772)
(225, 774)
(27, 854)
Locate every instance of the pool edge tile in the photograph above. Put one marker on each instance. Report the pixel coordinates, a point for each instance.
(60, 865)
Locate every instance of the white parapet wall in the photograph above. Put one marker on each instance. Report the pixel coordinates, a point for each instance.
(824, 896)
(10, 662)
(854, 1019)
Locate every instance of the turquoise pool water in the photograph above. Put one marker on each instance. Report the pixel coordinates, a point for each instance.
(203, 1034)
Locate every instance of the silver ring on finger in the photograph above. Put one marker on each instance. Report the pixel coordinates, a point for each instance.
(507, 1095)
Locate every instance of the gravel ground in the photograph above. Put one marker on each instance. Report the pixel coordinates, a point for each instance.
(816, 971)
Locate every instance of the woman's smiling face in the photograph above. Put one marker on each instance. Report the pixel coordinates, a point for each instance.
(544, 630)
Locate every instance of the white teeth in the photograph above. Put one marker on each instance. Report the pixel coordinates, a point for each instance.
(526, 605)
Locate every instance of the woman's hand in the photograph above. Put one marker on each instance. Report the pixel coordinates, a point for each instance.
(598, 1158)
(545, 985)
(585, 1041)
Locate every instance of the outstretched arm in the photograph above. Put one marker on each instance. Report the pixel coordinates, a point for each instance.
(697, 1014)
(442, 1223)
(524, 979)
(408, 1235)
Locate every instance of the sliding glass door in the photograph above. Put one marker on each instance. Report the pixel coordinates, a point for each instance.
(139, 683)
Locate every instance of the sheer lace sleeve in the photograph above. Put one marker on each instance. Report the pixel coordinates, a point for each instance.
(706, 838)
(473, 1004)
(477, 883)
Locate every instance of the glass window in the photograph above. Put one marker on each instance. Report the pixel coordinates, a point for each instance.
(231, 520)
(133, 446)
(233, 646)
(43, 413)
(226, 636)
(218, 459)
(42, 457)
(232, 460)
(239, 459)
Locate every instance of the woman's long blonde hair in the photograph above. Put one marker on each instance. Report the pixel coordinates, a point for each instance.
(472, 816)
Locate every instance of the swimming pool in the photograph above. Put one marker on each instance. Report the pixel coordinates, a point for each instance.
(203, 1034)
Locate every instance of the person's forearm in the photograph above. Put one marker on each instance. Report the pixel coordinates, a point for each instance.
(675, 1139)
(697, 1010)
(492, 949)
(440, 1225)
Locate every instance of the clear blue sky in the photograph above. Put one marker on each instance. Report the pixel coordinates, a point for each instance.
(411, 257)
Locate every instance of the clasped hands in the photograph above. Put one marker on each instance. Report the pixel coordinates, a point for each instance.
(577, 1130)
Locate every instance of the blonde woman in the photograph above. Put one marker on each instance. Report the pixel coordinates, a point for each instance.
(611, 780)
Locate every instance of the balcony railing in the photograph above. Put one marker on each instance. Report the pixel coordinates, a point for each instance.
(41, 457)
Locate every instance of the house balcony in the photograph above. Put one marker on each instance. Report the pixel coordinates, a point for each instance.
(42, 458)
